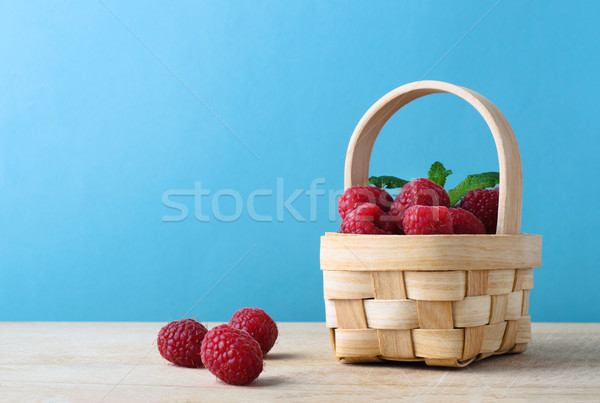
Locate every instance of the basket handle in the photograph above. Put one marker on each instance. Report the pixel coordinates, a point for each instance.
(511, 181)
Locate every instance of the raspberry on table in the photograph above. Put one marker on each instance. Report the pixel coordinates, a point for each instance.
(464, 222)
(483, 203)
(357, 195)
(427, 220)
(367, 219)
(258, 324)
(232, 355)
(180, 341)
(421, 192)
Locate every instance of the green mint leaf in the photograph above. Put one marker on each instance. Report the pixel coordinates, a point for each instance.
(438, 173)
(477, 181)
(390, 182)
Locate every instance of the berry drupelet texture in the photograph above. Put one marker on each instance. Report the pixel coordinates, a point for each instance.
(422, 192)
(464, 222)
(258, 324)
(232, 355)
(358, 195)
(367, 219)
(483, 203)
(180, 341)
(427, 220)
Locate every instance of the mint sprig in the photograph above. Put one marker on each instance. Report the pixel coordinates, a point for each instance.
(476, 181)
(438, 173)
(389, 182)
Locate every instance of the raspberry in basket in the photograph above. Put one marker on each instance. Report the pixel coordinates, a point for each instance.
(368, 219)
(464, 222)
(232, 355)
(179, 342)
(258, 324)
(421, 192)
(357, 195)
(427, 220)
(483, 203)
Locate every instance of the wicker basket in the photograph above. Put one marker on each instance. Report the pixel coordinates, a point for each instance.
(444, 299)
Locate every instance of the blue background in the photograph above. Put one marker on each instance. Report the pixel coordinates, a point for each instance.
(95, 127)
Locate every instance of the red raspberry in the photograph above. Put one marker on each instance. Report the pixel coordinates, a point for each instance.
(367, 219)
(390, 223)
(427, 220)
(357, 195)
(258, 324)
(483, 203)
(418, 192)
(463, 222)
(179, 342)
(232, 355)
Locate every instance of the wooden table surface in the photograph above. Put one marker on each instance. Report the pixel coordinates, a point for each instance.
(90, 362)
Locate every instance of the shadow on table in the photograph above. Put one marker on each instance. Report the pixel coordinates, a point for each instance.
(267, 381)
(281, 356)
(555, 354)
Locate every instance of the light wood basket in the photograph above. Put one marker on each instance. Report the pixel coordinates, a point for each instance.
(444, 299)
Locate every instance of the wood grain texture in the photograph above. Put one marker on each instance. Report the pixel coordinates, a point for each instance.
(492, 337)
(519, 348)
(361, 144)
(435, 286)
(118, 362)
(395, 344)
(350, 314)
(430, 252)
(391, 314)
(347, 285)
(388, 285)
(477, 282)
(498, 309)
(332, 339)
(510, 335)
(472, 311)
(356, 343)
(525, 307)
(514, 305)
(435, 314)
(473, 341)
(523, 279)
(500, 281)
(438, 343)
(523, 330)
(330, 317)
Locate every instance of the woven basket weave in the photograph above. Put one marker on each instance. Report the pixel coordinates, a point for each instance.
(444, 299)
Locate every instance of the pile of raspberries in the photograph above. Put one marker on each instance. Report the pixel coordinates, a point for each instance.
(233, 352)
(421, 208)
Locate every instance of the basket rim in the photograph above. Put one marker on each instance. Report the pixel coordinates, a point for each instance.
(358, 252)
(431, 237)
